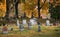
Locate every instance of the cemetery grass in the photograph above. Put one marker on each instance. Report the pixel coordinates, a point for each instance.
(46, 31)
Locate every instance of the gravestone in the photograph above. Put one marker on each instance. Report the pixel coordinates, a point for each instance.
(24, 22)
(33, 21)
(48, 23)
(39, 24)
(4, 30)
(21, 27)
(29, 25)
(17, 23)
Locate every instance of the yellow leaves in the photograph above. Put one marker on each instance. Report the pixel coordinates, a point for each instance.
(44, 11)
(2, 9)
(28, 7)
(35, 13)
(28, 13)
(22, 7)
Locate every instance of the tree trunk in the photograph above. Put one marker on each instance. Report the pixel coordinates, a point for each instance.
(7, 9)
(16, 8)
(38, 8)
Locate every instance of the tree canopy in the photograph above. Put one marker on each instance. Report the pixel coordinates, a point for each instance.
(55, 11)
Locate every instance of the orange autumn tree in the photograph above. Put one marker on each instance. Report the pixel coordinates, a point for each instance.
(28, 6)
(2, 8)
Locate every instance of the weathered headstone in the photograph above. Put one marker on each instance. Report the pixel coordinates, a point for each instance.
(29, 25)
(17, 22)
(24, 22)
(48, 23)
(33, 21)
(21, 27)
(39, 24)
(4, 29)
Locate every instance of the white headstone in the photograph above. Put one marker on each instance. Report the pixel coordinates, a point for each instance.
(24, 22)
(33, 21)
(17, 23)
(47, 22)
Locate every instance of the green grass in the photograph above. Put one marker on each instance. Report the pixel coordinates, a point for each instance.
(46, 31)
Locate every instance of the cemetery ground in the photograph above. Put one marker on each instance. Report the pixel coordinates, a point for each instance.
(46, 31)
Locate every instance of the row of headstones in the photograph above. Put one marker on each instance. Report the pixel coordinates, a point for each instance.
(30, 23)
(21, 25)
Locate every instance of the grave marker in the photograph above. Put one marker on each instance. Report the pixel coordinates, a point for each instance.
(21, 27)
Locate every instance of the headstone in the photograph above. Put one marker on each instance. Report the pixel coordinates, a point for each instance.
(29, 25)
(39, 24)
(17, 22)
(48, 23)
(24, 22)
(4, 30)
(33, 21)
(21, 27)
